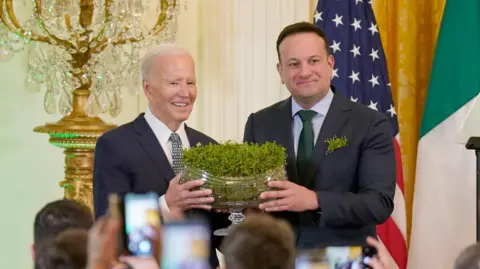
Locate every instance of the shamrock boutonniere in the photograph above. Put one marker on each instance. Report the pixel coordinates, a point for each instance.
(336, 143)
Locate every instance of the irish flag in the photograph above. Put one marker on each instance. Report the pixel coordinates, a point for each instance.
(444, 212)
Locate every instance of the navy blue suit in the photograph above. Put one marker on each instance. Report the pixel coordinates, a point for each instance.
(355, 184)
(129, 158)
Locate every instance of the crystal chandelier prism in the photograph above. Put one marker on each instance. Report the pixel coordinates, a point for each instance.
(92, 44)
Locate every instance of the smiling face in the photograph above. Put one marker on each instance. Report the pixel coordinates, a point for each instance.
(305, 67)
(171, 88)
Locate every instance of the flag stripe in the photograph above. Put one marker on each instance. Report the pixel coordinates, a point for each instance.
(392, 263)
(398, 158)
(394, 242)
(399, 212)
(459, 34)
(393, 232)
(444, 206)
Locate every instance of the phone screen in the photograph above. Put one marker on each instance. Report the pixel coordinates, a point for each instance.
(351, 257)
(142, 221)
(186, 245)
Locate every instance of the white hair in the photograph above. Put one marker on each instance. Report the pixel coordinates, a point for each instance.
(159, 50)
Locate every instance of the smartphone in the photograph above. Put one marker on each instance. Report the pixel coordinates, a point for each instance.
(348, 257)
(186, 245)
(141, 223)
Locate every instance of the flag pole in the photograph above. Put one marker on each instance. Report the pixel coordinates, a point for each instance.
(474, 144)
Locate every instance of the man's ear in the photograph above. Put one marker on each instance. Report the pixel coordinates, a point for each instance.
(32, 251)
(279, 69)
(331, 61)
(147, 89)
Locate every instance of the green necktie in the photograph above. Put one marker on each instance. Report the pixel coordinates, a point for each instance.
(305, 145)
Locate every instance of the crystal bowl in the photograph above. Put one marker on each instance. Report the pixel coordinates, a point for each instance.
(233, 192)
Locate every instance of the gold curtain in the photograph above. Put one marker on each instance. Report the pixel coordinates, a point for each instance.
(409, 30)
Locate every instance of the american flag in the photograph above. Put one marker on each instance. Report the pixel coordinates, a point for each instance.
(360, 72)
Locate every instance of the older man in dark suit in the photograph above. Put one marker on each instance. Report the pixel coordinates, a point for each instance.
(341, 162)
(146, 154)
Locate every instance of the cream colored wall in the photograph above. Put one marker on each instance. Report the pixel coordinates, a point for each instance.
(233, 42)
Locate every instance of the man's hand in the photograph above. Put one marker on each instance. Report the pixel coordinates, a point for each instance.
(179, 195)
(381, 260)
(290, 197)
(102, 243)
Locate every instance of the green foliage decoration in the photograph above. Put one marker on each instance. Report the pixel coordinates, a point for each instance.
(235, 172)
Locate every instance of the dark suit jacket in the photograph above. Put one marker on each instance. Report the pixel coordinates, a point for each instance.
(129, 158)
(355, 184)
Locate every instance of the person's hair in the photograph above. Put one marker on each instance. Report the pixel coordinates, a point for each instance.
(57, 216)
(259, 241)
(161, 50)
(469, 258)
(67, 251)
(298, 28)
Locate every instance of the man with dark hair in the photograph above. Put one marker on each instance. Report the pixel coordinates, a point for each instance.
(340, 154)
(298, 28)
(67, 251)
(58, 216)
(259, 241)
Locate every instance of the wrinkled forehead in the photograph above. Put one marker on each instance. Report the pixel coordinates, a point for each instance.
(168, 66)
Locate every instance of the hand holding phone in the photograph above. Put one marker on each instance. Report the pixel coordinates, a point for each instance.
(141, 230)
(381, 260)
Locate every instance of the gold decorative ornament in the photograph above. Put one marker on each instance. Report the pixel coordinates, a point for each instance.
(86, 52)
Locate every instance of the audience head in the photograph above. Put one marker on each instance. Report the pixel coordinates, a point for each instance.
(58, 216)
(255, 243)
(469, 258)
(304, 62)
(169, 83)
(67, 251)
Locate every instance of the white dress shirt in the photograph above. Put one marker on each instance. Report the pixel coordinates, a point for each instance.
(162, 133)
(321, 108)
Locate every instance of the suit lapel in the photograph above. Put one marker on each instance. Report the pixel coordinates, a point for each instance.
(336, 117)
(193, 139)
(284, 136)
(150, 144)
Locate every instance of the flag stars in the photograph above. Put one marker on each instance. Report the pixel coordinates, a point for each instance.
(373, 105)
(392, 111)
(358, 1)
(374, 81)
(356, 24)
(353, 99)
(373, 28)
(374, 55)
(335, 73)
(336, 46)
(355, 51)
(354, 76)
(318, 16)
(338, 20)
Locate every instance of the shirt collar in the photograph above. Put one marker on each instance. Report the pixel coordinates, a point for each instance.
(162, 132)
(321, 107)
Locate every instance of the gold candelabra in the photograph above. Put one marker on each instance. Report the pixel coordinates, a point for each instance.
(85, 52)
